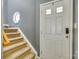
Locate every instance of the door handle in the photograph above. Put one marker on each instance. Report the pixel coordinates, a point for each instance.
(67, 32)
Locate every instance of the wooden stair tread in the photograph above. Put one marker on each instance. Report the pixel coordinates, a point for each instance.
(18, 53)
(10, 30)
(7, 53)
(13, 33)
(16, 38)
(12, 46)
(18, 47)
(29, 56)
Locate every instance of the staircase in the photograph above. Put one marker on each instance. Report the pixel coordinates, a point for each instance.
(16, 45)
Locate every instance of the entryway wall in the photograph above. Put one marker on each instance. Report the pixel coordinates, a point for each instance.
(26, 8)
(30, 17)
(29, 22)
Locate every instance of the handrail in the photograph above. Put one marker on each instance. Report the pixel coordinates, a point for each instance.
(6, 40)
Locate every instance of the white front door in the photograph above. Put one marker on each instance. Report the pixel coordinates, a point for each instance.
(56, 30)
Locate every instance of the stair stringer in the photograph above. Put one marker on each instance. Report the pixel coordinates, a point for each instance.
(28, 42)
